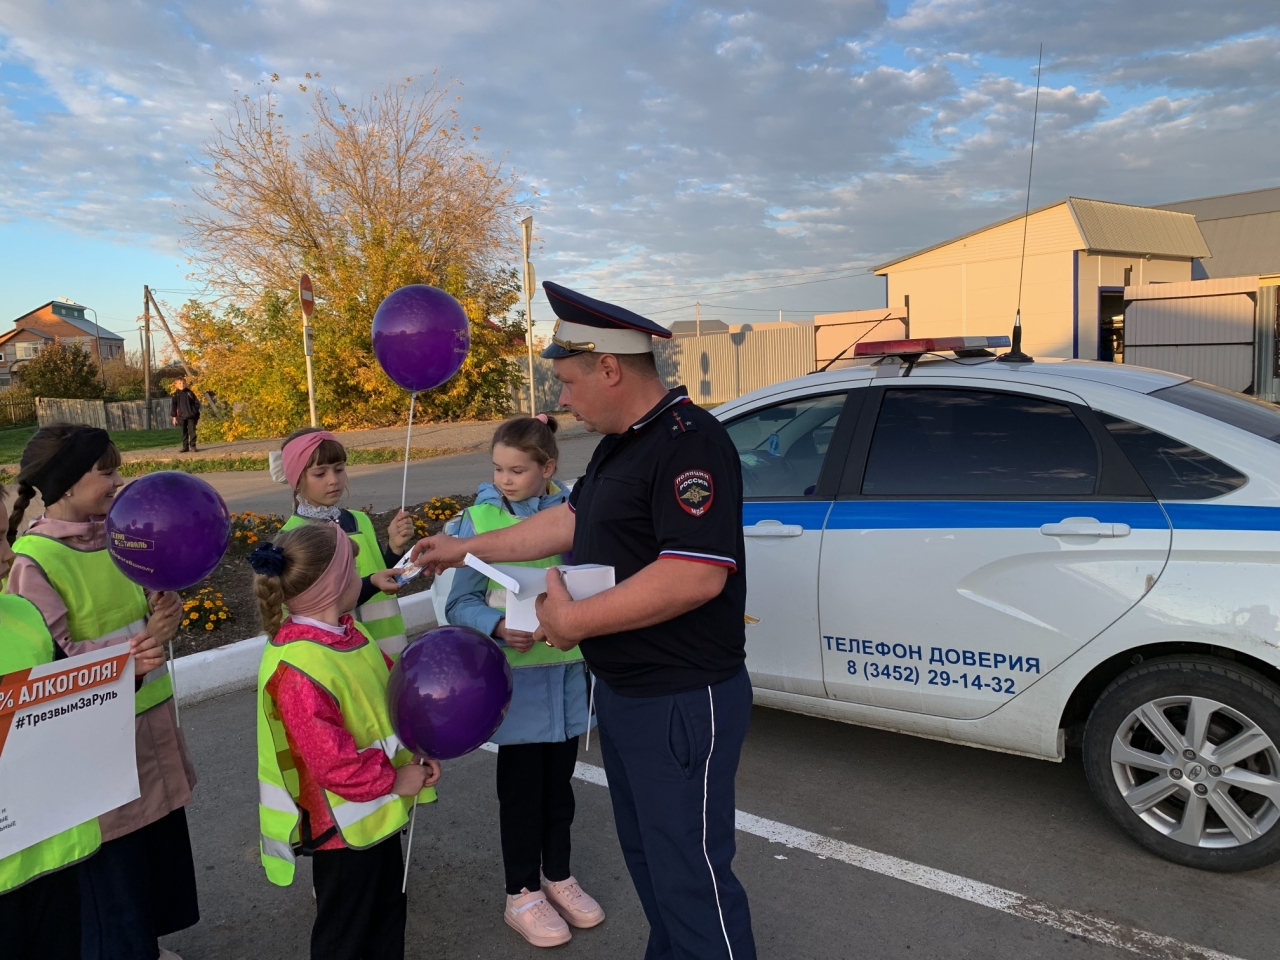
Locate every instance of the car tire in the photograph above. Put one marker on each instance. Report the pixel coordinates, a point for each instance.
(1193, 711)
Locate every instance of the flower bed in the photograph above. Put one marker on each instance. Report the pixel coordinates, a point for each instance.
(222, 608)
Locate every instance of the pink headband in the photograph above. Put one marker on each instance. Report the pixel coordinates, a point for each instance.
(298, 451)
(328, 589)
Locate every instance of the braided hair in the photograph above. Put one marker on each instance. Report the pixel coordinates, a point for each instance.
(43, 446)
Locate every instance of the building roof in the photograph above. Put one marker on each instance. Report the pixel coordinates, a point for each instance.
(1242, 230)
(5, 337)
(1110, 228)
(689, 328)
(88, 326)
(1244, 204)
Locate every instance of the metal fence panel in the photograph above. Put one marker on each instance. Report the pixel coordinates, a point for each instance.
(1228, 365)
(716, 368)
(1188, 320)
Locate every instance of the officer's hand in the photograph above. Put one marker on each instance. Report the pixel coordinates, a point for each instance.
(519, 640)
(148, 653)
(438, 553)
(400, 532)
(555, 608)
(385, 580)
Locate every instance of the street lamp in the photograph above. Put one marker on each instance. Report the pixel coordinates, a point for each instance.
(101, 369)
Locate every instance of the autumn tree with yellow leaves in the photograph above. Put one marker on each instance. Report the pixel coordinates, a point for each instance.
(373, 196)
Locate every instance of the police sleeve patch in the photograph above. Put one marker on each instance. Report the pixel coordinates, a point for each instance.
(694, 492)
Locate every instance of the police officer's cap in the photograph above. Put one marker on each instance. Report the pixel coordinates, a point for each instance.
(589, 325)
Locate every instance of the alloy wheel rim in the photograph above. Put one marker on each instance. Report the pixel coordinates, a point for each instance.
(1198, 771)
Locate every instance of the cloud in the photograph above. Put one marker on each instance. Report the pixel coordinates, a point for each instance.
(671, 142)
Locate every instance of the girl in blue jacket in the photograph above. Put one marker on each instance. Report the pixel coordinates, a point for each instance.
(538, 740)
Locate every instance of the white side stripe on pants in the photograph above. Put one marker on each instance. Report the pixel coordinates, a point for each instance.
(1142, 943)
(706, 776)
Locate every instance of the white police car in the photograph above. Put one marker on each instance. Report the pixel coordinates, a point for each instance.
(1012, 555)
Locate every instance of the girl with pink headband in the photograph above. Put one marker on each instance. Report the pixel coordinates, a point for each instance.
(314, 464)
(334, 782)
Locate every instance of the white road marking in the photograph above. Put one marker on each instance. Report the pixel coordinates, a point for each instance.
(1153, 946)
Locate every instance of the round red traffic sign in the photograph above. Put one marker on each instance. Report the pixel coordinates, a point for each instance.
(305, 295)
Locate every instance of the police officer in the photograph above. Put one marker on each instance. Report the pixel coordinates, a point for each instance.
(661, 502)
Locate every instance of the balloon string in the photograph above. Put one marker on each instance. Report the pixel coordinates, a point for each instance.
(173, 683)
(404, 486)
(413, 819)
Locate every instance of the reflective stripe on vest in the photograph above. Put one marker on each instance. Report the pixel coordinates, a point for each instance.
(357, 680)
(25, 642)
(103, 605)
(381, 614)
(486, 517)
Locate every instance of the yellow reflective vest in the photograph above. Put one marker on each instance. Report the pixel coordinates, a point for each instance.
(102, 603)
(486, 517)
(24, 643)
(357, 680)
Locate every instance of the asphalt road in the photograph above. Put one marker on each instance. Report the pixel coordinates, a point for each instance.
(1022, 825)
(380, 484)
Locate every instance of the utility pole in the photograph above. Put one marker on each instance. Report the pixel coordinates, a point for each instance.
(530, 281)
(697, 318)
(306, 296)
(146, 353)
(172, 339)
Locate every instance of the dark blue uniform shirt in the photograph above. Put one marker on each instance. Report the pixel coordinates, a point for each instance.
(670, 486)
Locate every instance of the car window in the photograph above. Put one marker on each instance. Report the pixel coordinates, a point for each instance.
(1227, 406)
(782, 447)
(1174, 470)
(973, 443)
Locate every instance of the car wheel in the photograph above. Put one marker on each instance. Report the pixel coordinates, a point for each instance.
(1184, 754)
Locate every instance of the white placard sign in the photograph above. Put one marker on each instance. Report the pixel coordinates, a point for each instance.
(66, 745)
(524, 584)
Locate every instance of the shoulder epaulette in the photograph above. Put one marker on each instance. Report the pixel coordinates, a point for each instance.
(679, 421)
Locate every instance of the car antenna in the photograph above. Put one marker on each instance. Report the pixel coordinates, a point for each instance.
(1015, 354)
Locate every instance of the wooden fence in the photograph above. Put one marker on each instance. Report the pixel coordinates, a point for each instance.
(14, 413)
(126, 415)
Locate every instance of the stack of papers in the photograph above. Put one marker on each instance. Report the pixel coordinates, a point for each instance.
(524, 584)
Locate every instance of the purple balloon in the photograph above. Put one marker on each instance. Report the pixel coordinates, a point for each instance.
(420, 336)
(167, 531)
(448, 692)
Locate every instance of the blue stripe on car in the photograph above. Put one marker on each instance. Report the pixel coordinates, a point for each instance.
(1007, 514)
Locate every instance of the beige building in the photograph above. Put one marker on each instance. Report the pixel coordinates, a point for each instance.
(1080, 255)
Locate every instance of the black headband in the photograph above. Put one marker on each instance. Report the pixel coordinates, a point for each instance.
(79, 452)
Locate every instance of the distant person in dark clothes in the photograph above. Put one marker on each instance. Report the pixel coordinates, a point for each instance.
(185, 409)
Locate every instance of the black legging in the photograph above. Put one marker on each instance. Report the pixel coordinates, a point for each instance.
(535, 797)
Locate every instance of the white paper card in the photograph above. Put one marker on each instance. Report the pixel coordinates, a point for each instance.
(64, 725)
(525, 584)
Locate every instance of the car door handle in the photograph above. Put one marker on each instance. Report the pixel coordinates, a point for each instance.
(773, 529)
(1084, 527)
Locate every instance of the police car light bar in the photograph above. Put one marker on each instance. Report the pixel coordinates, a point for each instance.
(900, 348)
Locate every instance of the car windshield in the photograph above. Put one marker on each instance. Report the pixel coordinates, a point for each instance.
(1259, 418)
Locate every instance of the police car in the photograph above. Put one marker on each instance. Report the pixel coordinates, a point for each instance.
(1023, 555)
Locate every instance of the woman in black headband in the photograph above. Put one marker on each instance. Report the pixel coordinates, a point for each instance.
(141, 883)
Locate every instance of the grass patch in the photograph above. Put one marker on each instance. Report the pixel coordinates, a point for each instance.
(137, 468)
(13, 439)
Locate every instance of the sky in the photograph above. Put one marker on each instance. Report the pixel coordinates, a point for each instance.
(753, 157)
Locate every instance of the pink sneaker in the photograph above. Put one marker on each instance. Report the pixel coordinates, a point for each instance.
(531, 916)
(578, 908)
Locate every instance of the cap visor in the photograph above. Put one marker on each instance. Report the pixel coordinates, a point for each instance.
(556, 352)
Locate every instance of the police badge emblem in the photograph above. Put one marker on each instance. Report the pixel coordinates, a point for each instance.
(694, 492)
